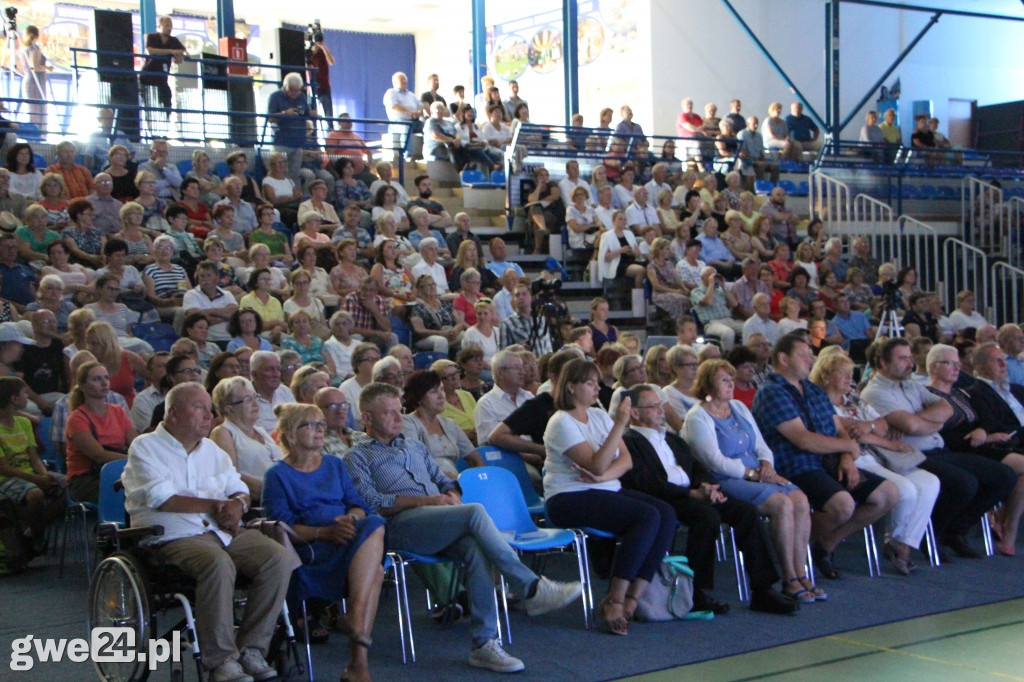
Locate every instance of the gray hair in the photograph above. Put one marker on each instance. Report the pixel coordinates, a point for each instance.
(385, 363)
(163, 239)
(467, 273)
(936, 353)
(427, 241)
(182, 394)
(227, 389)
(292, 79)
(260, 358)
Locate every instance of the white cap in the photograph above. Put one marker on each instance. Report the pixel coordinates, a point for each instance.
(10, 331)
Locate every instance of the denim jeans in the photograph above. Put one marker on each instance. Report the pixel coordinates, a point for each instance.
(466, 534)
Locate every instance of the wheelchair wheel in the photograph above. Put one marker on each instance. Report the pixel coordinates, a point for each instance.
(118, 597)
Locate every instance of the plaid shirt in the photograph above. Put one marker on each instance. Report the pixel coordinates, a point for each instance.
(516, 329)
(363, 318)
(778, 401)
(382, 472)
(77, 179)
(718, 310)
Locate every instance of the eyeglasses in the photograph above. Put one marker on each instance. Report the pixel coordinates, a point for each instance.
(954, 363)
(369, 358)
(294, 365)
(188, 370)
(333, 407)
(687, 364)
(647, 407)
(316, 426)
(449, 376)
(247, 400)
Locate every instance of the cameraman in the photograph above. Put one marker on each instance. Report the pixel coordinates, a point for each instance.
(523, 327)
(322, 60)
(713, 304)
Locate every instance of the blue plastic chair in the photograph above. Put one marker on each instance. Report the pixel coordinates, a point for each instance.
(803, 189)
(787, 185)
(763, 186)
(497, 490)
(184, 166)
(159, 335)
(470, 177)
(47, 452)
(498, 178)
(39, 162)
(111, 501)
(513, 463)
(401, 330)
(425, 359)
(221, 169)
(30, 132)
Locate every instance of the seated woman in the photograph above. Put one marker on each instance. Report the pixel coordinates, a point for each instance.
(166, 282)
(348, 273)
(833, 371)
(122, 365)
(196, 328)
(723, 435)
(38, 495)
(280, 191)
(424, 400)
(77, 278)
(581, 219)
(316, 497)
(303, 300)
(585, 458)
(261, 300)
(483, 334)
(432, 318)
(249, 446)
(84, 241)
(307, 380)
(97, 432)
(246, 328)
(458, 404)
(265, 234)
(471, 364)
(395, 279)
(301, 340)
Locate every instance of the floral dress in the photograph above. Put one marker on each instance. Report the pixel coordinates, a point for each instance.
(356, 192)
(674, 304)
(399, 281)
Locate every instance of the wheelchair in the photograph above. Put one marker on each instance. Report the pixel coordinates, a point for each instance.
(133, 584)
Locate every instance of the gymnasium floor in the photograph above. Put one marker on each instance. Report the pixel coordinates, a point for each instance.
(979, 643)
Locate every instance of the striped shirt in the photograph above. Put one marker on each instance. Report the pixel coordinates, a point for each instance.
(404, 468)
(166, 282)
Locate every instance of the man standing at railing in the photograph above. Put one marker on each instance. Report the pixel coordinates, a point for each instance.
(403, 105)
(162, 48)
(288, 110)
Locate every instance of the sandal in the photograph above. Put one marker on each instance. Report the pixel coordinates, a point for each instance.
(800, 595)
(819, 593)
(995, 523)
(618, 625)
(629, 613)
(317, 633)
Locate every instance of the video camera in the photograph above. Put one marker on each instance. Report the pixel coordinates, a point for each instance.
(12, 20)
(548, 307)
(314, 34)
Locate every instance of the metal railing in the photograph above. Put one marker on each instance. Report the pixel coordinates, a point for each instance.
(1008, 292)
(980, 212)
(830, 201)
(875, 221)
(917, 245)
(1012, 218)
(965, 267)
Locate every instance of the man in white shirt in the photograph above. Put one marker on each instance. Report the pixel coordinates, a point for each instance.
(216, 304)
(168, 178)
(605, 210)
(384, 172)
(761, 322)
(148, 398)
(265, 368)
(572, 179)
(504, 398)
(639, 214)
(428, 265)
(179, 479)
(503, 299)
(403, 105)
(657, 183)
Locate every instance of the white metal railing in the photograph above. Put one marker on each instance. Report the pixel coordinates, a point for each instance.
(1008, 290)
(1011, 215)
(965, 267)
(980, 211)
(916, 244)
(830, 201)
(875, 221)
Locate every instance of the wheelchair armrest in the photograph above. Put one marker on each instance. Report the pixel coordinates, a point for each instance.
(112, 530)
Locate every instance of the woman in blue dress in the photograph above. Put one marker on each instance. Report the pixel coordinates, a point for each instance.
(315, 496)
(723, 435)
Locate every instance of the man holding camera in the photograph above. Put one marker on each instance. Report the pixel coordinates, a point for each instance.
(713, 304)
(322, 60)
(521, 327)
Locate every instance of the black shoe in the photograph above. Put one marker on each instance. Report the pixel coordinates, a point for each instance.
(771, 601)
(825, 562)
(960, 547)
(702, 602)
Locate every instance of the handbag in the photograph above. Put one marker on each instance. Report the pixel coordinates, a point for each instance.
(670, 594)
(899, 462)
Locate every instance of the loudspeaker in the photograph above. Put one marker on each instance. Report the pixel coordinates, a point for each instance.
(214, 73)
(242, 100)
(291, 52)
(116, 31)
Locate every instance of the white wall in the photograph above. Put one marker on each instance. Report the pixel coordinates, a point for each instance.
(708, 57)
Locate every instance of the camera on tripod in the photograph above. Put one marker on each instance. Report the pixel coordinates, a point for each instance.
(314, 34)
(12, 20)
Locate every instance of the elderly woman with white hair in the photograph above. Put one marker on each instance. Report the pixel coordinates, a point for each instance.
(340, 345)
(50, 296)
(434, 323)
(420, 218)
(388, 370)
(166, 282)
(249, 446)
(281, 189)
(428, 264)
(306, 381)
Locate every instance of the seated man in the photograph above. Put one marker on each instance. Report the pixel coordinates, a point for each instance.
(970, 484)
(265, 369)
(797, 420)
(178, 479)
(400, 480)
(168, 178)
(713, 305)
(751, 152)
(639, 213)
(572, 180)
(506, 396)
(715, 253)
(919, 313)
(659, 174)
(629, 371)
(521, 327)
(530, 419)
(77, 177)
(760, 323)
(852, 324)
(498, 264)
(384, 172)
(664, 468)
(802, 128)
(439, 217)
(369, 310)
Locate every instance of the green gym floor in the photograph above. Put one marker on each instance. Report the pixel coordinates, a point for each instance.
(979, 643)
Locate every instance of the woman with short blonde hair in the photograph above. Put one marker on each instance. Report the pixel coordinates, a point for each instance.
(250, 447)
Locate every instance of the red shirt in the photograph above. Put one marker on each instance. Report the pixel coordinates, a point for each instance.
(111, 431)
(77, 179)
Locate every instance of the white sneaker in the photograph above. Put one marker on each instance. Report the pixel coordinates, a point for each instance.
(230, 671)
(254, 664)
(493, 657)
(551, 595)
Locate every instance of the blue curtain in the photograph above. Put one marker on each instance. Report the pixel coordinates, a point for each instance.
(364, 63)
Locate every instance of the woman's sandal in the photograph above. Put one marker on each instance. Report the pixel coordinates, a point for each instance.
(629, 612)
(618, 625)
(818, 593)
(801, 594)
(317, 635)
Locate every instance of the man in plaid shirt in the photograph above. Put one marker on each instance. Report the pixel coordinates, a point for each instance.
(797, 421)
(370, 314)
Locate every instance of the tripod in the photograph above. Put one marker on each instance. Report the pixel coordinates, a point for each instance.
(889, 326)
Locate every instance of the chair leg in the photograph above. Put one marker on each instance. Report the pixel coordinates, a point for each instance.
(504, 607)
(871, 548)
(986, 535)
(741, 574)
(810, 566)
(402, 596)
(584, 577)
(190, 631)
(588, 593)
(309, 653)
(932, 545)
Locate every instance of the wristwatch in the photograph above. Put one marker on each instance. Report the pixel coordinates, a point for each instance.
(872, 427)
(240, 498)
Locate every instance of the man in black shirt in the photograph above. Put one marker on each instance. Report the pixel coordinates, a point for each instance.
(162, 48)
(43, 364)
